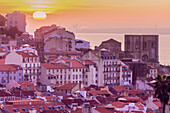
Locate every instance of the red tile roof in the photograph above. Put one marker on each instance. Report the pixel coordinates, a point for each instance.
(25, 84)
(88, 62)
(74, 63)
(103, 110)
(139, 105)
(68, 86)
(157, 103)
(6, 67)
(98, 92)
(118, 104)
(136, 99)
(54, 66)
(120, 88)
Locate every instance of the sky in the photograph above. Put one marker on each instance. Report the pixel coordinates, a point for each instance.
(93, 14)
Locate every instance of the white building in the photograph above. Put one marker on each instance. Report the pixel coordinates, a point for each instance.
(109, 69)
(126, 78)
(28, 61)
(17, 19)
(64, 71)
(82, 44)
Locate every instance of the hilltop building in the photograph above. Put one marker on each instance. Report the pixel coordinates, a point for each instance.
(17, 19)
(54, 37)
(111, 45)
(144, 47)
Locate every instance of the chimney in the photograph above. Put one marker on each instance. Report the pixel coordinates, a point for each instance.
(86, 108)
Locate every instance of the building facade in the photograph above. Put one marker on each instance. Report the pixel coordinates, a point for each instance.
(109, 68)
(82, 44)
(111, 44)
(144, 47)
(17, 19)
(9, 72)
(63, 71)
(29, 63)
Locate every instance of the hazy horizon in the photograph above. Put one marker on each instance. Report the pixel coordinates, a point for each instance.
(77, 15)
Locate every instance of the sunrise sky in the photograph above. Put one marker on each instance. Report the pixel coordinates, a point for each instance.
(93, 14)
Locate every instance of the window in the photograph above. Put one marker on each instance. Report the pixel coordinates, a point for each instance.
(26, 60)
(53, 70)
(73, 70)
(68, 76)
(80, 70)
(76, 76)
(57, 76)
(60, 76)
(76, 70)
(26, 65)
(79, 76)
(73, 76)
(86, 76)
(30, 59)
(14, 78)
(48, 78)
(33, 59)
(37, 59)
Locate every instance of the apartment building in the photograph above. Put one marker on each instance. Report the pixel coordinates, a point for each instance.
(126, 78)
(28, 61)
(17, 19)
(10, 72)
(64, 71)
(109, 68)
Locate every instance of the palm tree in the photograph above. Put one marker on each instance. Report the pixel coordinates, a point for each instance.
(162, 89)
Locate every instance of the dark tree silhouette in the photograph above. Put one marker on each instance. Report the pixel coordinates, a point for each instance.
(2, 20)
(162, 89)
(12, 31)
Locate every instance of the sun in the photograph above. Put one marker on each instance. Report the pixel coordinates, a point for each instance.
(39, 15)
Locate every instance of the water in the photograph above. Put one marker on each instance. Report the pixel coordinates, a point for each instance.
(95, 39)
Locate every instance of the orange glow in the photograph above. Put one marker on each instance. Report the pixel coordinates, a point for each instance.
(39, 15)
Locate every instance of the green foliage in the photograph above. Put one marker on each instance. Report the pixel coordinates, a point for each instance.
(2, 20)
(162, 89)
(12, 31)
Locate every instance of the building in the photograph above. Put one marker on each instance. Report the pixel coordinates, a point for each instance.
(111, 45)
(126, 78)
(109, 68)
(25, 38)
(63, 71)
(7, 41)
(82, 44)
(54, 54)
(144, 47)
(53, 37)
(28, 61)
(17, 19)
(139, 69)
(10, 72)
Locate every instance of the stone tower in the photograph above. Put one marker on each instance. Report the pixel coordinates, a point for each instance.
(144, 47)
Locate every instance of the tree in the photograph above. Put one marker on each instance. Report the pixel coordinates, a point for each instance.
(2, 20)
(162, 89)
(12, 31)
